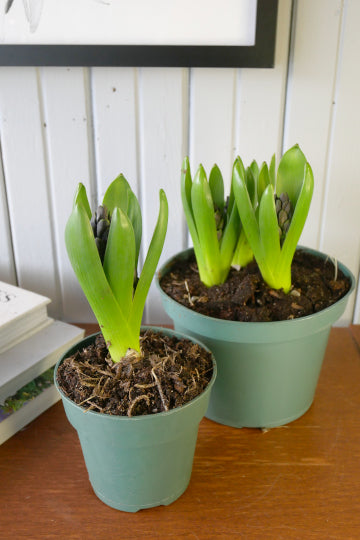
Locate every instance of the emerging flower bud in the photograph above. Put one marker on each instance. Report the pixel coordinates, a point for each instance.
(100, 223)
(284, 214)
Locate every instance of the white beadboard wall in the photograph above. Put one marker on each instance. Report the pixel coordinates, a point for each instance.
(59, 126)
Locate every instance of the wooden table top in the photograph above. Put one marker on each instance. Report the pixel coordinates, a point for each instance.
(299, 481)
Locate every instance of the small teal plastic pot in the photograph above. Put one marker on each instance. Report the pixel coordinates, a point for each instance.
(142, 461)
(267, 371)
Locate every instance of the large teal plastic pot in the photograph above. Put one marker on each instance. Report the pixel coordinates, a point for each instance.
(142, 461)
(267, 372)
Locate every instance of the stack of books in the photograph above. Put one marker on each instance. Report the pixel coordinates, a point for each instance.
(30, 345)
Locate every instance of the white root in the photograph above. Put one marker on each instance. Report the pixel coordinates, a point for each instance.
(162, 397)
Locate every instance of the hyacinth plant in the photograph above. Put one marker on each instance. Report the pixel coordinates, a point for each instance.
(274, 226)
(103, 250)
(213, 223)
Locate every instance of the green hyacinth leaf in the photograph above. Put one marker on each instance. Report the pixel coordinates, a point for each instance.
(264, 180)
(243, 253)
(246, 210)
(254, 167)
(150, 264)
(116, 194)
(299, 218)
(216, 184)
(201, 199)
(186, 187)
(290, 174)
(229, 239)
(251, 183)
(120, 195)
(119, 260)
(134, 215)
(272, 171)
(269, 228)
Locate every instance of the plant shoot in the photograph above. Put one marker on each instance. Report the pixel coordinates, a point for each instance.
(103, 250)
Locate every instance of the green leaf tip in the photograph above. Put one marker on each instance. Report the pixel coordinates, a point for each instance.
(119, 194)
(81, 199)
(112, 290)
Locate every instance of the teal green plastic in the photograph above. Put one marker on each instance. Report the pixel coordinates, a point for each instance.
(142, 461)
(267, 372)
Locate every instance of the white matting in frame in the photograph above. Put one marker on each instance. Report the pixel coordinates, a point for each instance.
(128, 22)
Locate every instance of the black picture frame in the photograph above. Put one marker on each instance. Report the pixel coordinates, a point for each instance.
(259, 55)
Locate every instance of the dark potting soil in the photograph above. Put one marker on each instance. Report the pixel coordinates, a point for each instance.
(316, 284)
(170, 373)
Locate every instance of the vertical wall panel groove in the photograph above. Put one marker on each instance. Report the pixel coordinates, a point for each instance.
(310, 89)
(7, 263)
(56, 310)
(289, 65)
(162, 143)
(141, 173)
(66, 120)
(115, 126)
(137, 139)
(185, 147)
(25, 173)
(262, 97)
(211, 121)
(89, 111)
(332, 124)
(341, 220)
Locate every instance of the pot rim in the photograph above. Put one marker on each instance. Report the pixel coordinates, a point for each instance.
(145, 417)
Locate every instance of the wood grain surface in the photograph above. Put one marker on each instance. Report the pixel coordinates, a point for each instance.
(300, 481)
